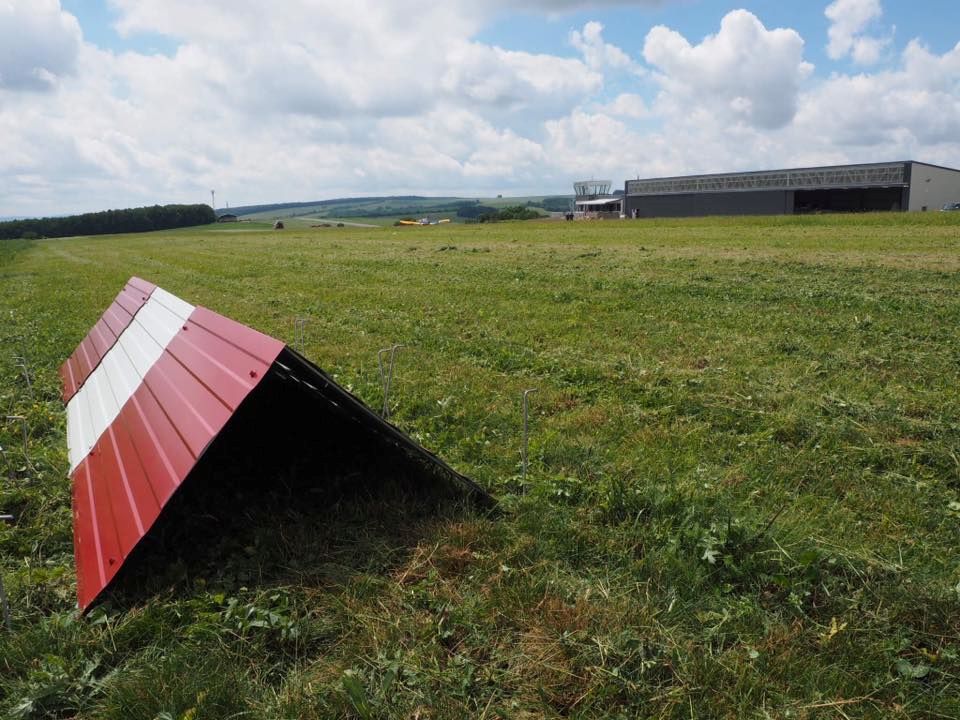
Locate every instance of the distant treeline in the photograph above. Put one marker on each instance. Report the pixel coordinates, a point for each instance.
(486, 214)
(107, 222)
(514, 212)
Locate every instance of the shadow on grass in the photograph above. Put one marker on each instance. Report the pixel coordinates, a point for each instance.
(289, 495)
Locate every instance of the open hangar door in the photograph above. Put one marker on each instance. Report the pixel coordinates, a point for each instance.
(850, 200)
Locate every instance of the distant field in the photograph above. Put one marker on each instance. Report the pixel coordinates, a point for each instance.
(743, 499)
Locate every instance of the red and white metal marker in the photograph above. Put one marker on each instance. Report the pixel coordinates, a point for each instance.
(147, 391)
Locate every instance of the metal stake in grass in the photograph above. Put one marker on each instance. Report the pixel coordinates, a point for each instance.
(526, 430)
(4, 602)
(300, 334)
(386, 378)
(6, 606)
(21, 362)
(23, 430)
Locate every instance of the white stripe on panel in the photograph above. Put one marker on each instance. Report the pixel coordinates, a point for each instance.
(160, 322)
(141, 349)
(178, 307)
(123, 376)
(75, 445)
(87, 438)
(103, 406)
(98, 402)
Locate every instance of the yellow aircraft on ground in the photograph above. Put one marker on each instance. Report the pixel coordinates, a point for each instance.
(423, 221)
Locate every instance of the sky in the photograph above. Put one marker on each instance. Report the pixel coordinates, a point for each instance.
(122, 103)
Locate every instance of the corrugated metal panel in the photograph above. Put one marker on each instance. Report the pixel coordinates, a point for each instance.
(144, 417)
(103, 335)
(148, 411)
(121, 370)
(87, 548)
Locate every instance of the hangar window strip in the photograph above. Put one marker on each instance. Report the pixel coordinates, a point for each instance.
(839, 177)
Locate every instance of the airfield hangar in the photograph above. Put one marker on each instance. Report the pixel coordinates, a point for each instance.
(893, 186)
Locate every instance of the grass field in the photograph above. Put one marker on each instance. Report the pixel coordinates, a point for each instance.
(743, 499)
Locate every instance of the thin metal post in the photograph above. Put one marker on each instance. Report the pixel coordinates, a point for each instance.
(526, 430)
(4, 602)
(21, 362)
(386, 378)
(5, 606)
(300, 334)
(23, 430)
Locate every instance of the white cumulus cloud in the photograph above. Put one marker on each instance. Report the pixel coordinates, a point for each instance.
(598, 53)
(908, 110)
(848, 21)
(627, 105)
(39, 44)
(745, 73)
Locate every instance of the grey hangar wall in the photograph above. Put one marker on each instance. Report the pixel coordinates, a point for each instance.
(897, 186)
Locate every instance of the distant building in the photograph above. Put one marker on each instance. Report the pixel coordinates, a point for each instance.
(893, 186)
(227, 217)
(593, 198)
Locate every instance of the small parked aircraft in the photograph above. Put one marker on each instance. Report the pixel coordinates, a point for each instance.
(423, 221)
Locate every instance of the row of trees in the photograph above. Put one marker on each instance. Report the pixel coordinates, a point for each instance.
(485, 214)
(514, 212)
(142, 219)
(476, 211)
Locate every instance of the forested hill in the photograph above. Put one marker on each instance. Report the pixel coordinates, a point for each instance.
(108, 222)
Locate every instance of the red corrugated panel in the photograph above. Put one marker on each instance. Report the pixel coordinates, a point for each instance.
(224, 356)
(116, 319)
(186, 398)
(259, 346)
(104, 527)
(117, 509)
(72, 373)
(196, 413)
(130, 302)
(103, 335)
(86, 541)
(141, 286)
(101, 338)
(86, 359)
(69, 376)
(162, 452)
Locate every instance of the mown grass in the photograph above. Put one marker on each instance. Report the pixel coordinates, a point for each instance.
(743, 497)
